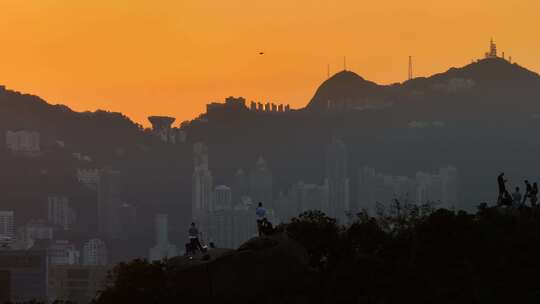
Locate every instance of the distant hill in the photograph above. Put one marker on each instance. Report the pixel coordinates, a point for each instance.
(482, 118)
(155, 176)
(492, 79)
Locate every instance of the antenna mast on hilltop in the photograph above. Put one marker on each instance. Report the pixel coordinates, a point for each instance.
(344, 63)
(328, 71)
(410, 68)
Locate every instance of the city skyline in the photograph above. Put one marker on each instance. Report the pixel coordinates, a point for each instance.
(172, 59)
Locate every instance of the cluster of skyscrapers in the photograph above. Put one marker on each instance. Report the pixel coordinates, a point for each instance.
(226, 213)
(225, 216)
(440, 189)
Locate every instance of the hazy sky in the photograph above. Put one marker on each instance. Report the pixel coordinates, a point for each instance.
(172, 57)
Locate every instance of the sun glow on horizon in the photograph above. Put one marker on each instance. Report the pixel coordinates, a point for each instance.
(142, 57)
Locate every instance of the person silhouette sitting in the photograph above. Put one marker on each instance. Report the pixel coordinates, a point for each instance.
(506, 199)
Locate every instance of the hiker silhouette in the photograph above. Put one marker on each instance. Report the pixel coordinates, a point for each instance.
(501, 182)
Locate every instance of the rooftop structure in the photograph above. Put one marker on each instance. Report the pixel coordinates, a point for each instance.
(160, 123)
(492, 50)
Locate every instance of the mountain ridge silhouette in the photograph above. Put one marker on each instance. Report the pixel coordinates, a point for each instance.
(348, 89)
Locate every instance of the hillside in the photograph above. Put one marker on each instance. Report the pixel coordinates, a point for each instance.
(154, 175)
(418, 255)
(481, 118)
(487, 78)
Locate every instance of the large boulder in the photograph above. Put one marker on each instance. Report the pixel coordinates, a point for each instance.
(270, 269)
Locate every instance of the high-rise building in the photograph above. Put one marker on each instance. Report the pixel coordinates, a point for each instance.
(59, 212)
(7, 225)
(440, 189)
(88, 177)
(35, 230)
(221, 218)
(163, 248)
(62, 252)
(202, 188)
(222, 198)
(221, 228)
(232, 227)
(95, 253)
(260, 184)
(109, 201)
(240, 187)
(450, 187)
(126, 215)
(302, 197)
(338, 181)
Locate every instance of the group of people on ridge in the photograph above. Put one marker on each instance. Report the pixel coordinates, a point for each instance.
(264, 227)
(516, 199)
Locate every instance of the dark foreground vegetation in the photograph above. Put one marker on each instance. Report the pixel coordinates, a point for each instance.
(406, 254)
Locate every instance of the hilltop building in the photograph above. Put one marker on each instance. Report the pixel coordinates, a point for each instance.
(162, 128)
(163, 248)
(236, 105)
(492, 53)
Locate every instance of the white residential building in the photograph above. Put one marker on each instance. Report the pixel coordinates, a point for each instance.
(7, 225)
(23, 141)
(62, 252)
(88, 177)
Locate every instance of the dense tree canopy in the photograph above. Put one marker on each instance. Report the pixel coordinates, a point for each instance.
(406, 253)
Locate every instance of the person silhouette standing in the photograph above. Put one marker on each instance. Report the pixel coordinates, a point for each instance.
(502, 187)
(260, 212)
(528, 192)
(534, 195)
(194, 242)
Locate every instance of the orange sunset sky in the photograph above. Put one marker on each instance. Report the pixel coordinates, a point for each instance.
(172, 57)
